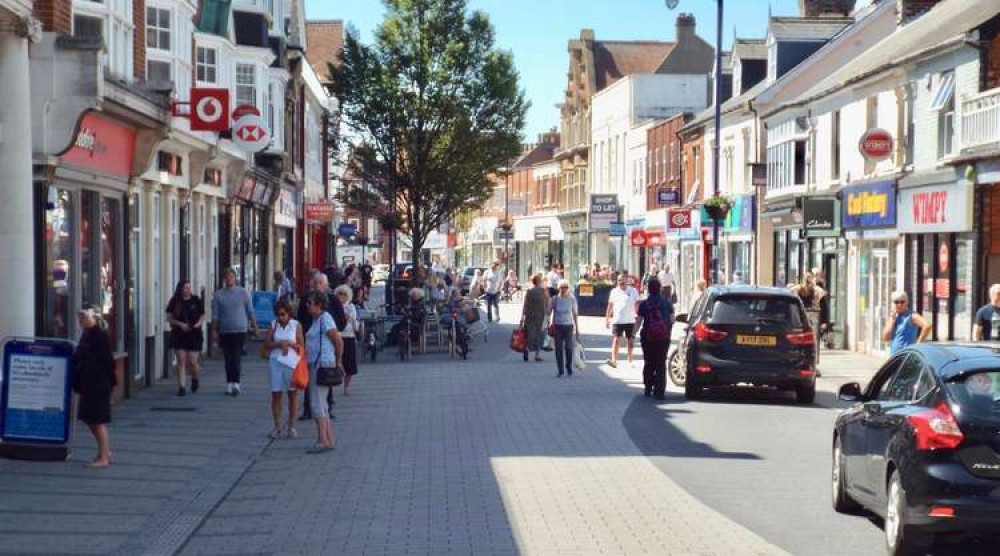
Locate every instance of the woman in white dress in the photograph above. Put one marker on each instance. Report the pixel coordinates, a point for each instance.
(284, 338)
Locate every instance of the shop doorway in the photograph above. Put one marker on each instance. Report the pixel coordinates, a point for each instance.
(877, 278)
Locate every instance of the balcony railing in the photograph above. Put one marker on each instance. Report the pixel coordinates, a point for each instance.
(981, 119)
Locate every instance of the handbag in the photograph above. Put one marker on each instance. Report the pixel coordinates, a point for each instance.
(552, 330)
(327, 376)
(518, 340)
(579, 358)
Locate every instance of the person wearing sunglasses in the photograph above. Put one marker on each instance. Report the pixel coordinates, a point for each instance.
(904, 327)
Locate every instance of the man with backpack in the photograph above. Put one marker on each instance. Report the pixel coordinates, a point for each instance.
(655, 320)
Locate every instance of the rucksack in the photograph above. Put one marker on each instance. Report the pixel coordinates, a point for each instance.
(656, 327)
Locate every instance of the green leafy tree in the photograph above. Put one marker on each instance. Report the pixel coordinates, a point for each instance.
(430, 110)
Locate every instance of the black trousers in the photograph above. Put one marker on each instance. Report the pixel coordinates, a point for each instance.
(492, 300)
(564, 348)
(654, 367)
(232, 353)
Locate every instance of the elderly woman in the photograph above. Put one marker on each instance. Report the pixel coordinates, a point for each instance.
(94, 379)
(536, 302)
(284, 336)
(564, 320)
(325, 348)
(349, 335)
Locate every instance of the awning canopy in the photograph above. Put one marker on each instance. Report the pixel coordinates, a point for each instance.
(524, 228)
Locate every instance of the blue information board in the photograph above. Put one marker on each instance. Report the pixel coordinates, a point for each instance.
(263, 308)
(35, 395)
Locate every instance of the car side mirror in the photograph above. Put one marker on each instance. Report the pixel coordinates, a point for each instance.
(681, 317)
(850, 392)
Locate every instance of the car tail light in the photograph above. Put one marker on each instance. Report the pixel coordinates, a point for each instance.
(941, 511)
(806, 338)
(806, 373)
(703, 333)
(703, 369)
(936, 428)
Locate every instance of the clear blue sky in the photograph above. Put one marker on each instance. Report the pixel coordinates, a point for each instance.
(537, 31)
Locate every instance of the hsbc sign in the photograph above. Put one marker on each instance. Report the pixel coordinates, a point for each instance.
(250, 133)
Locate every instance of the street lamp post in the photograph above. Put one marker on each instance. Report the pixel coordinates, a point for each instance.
(717, 101)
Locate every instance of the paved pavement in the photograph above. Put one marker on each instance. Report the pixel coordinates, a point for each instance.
(491, 456)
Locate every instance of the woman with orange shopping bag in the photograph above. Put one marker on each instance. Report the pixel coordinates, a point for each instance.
(284, 343)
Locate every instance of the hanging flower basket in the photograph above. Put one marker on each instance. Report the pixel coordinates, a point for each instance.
(718, 207)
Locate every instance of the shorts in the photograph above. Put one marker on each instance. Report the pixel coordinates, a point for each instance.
(280, 377)
(627, 329)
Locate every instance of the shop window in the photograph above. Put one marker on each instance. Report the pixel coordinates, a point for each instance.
(59, 234)
(110, 238)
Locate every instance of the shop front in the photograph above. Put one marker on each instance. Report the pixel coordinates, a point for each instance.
(540, 241)
(936, 218)
(789, 245)
(685, 253)
(81, 219)
(605, 248)
(575, 252)
(285, 220)
(827, 259)
(868, 216)
(736, 252)
(250, 230)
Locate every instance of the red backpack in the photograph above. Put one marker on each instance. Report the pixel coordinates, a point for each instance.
(656, 328)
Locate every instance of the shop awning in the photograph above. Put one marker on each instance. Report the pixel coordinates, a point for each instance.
(524, 228)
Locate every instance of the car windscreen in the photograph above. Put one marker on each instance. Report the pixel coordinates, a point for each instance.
(757, 310)
(978, 395)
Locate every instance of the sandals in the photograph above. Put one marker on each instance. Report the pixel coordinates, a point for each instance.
(291, 432)
(275, 433)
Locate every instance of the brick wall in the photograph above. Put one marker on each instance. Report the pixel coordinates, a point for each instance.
(56, 15)
(139, 40)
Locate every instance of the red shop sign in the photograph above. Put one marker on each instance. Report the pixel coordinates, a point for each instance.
(102, 145)
(679, 219)
(655, 239)
(637, 238)
(322, 211)
(876, 144)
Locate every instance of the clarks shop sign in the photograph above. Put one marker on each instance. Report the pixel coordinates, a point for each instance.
(869, 206)
(936, 208)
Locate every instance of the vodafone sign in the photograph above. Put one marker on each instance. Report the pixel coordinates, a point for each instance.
(209, 109)
(876, 144)
(250, 133)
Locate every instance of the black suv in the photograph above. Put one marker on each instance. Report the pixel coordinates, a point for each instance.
(746, 335)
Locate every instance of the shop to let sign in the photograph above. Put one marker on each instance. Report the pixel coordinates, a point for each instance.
(603, 211)
(870, 205)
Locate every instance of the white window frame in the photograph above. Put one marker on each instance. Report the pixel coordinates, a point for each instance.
(159, 31)
(238, 85)
(202, 67)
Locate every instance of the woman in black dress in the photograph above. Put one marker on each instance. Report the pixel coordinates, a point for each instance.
(186, 314)
(94, 380)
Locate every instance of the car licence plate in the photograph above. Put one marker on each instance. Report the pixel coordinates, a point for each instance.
(744, 340)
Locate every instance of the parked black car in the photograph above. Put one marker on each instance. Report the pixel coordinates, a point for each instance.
(747, 335)
(921, 445)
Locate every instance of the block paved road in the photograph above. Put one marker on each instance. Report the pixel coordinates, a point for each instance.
(436, 456)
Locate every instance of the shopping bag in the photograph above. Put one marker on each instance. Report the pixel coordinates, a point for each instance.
(300, 376)
(579, 358)
(518, 340)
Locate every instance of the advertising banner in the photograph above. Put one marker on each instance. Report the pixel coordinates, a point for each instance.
(35, 393)
(263, 308)
(869, 206)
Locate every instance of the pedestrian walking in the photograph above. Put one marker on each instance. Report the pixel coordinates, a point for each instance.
(987, 325)
(623, 301)
(492, 281)
(186, 314)
(814, 298)
(349, 336)
(284, 341)
(564, 319)
(668, 283)
(533, 310)
(652, 273)
(552, 280)
(655, 319)
(283, 286)
(94, 380)
(232, 317)
(904, 327)
(320, 283)
(324, 348)
(476, 285)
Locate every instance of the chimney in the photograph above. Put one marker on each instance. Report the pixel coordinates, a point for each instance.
(685, 27)
(908, 10)
(826, 8)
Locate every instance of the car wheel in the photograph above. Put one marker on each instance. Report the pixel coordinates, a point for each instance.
(900, 538)
(842, 501)
(675, 367)
(805, 394)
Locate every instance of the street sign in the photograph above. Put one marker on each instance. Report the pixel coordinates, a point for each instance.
(679, 219)
(250, 134)
(666, 196)
(209, 109)
(617, 229)
(876, 144)
(501, 235)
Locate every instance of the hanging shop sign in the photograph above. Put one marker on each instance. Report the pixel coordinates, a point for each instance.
(869, 206)
(209, 109)
(102, 145)
(347, 229)
(668, 196)
(321, 212)
(287, 208)
(617, 229)
(637, 238)
(655, 238)
(679, 219)
(938, 208)
(543, 233)
(740, 217)
(819, 215)
(603, 211)
(250, 134)
(246, 190)
(876, 144)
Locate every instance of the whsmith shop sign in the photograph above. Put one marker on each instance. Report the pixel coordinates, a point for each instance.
(869, 206)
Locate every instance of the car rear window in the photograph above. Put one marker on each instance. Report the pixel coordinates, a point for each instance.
(978, 395)
(754, 310)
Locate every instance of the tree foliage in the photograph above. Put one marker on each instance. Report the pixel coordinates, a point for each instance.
(430, 109)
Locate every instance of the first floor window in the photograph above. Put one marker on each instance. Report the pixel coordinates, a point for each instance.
(246, 85)
(158, 28)
(88, 27)
(207, 65)
(157, 71)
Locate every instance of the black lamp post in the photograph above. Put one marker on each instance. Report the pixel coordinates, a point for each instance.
(717, 101)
